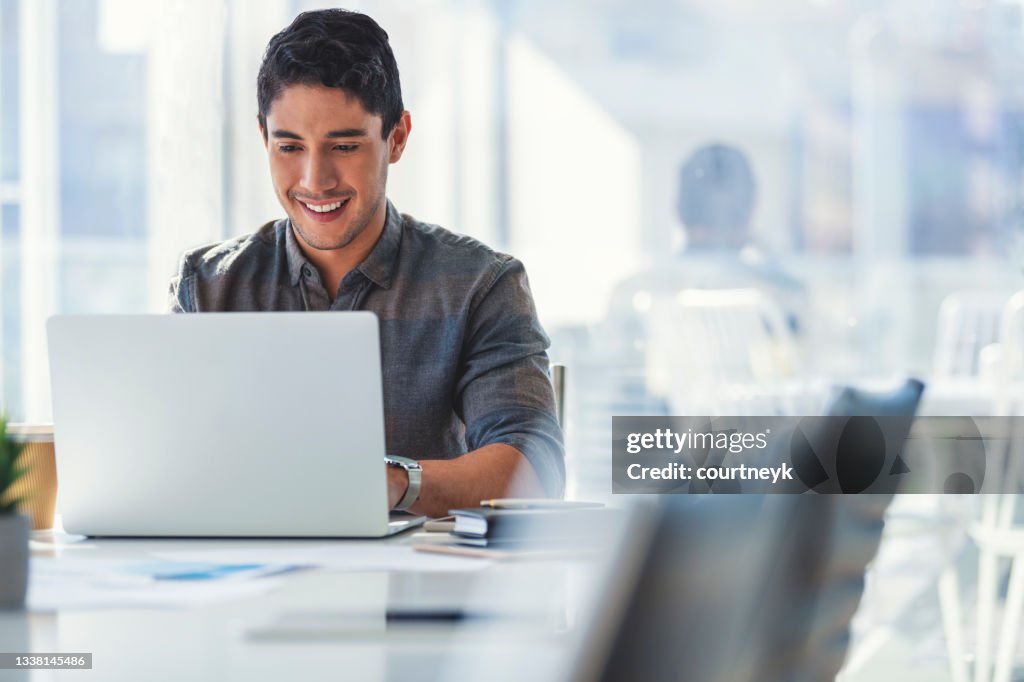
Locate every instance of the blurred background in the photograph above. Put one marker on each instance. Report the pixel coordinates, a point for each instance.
(869, 155)
(724, 206)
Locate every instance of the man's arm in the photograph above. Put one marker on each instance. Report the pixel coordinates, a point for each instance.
(496, 470)
(505, 399)
(179, 297)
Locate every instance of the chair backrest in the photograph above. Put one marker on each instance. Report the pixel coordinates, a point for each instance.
(901, 401)
(999, 511)
(720, 350)
(735, 588)
(741, 588)
(557, 373)
(1011, 339)
(968, 322)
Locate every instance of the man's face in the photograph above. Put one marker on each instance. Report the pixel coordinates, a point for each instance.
(329, 163)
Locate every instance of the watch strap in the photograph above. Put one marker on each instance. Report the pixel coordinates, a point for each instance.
(415, 473)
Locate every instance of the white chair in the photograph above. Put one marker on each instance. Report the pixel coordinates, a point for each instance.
(721, 351)
(995, 533)
(968, 323)
(1009, 375)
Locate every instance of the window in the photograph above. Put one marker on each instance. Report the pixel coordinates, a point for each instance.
(885, 139)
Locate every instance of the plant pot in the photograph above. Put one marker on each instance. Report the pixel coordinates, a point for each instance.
(13, 560)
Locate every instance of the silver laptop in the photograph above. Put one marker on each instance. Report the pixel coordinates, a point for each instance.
(233, 424)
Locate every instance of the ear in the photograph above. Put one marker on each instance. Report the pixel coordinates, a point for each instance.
(398, 137)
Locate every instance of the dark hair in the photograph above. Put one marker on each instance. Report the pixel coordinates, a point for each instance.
(717, 190)
(339, 49)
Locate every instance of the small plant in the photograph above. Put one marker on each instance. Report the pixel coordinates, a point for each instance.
(10, 469)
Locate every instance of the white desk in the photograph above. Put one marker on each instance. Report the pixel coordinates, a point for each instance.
(531, 604)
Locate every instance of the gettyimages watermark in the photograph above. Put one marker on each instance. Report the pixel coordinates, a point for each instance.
(827, 455)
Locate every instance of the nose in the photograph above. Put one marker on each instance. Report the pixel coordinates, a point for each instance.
(318, 175)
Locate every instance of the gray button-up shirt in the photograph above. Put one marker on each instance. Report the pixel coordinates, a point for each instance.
(464, 356)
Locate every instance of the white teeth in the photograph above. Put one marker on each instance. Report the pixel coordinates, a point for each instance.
(324, 208)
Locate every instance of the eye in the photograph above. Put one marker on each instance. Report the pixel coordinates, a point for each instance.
(287, 148)
(346, 147)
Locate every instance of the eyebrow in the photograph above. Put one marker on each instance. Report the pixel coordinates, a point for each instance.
(346, 132)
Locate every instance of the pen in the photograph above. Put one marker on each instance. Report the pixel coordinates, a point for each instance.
(443, 615)
(539, 503)
(503, 554)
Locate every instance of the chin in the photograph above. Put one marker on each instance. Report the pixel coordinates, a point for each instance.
(322, 240)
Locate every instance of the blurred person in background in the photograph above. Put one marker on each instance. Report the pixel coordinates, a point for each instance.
(715, 204)
(642, 334)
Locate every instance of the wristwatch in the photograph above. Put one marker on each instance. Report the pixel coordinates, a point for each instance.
(415, 472)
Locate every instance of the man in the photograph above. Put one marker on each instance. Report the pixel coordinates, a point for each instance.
(717, 193)
(464, 357)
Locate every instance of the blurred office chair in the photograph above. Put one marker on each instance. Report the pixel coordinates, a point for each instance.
(741, 588)
(969, 322)
(997, 537)
(557, 372)
(1009, 373)
(901, 401)
(722, 351)
(996, 533)
(736, 588)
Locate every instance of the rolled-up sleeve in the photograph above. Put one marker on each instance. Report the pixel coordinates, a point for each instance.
(504, 393)
(179, 294)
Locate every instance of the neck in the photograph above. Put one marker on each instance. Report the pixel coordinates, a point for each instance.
(334, 264)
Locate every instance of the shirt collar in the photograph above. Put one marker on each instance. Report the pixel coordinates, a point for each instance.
(379, 264)
(296, 259)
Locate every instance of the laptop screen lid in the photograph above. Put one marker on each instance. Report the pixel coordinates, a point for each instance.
(219, 424)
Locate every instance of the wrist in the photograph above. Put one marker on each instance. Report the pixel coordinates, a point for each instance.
(398, 483)
(413, 478)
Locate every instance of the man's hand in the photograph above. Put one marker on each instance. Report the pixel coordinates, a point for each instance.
(398, 482)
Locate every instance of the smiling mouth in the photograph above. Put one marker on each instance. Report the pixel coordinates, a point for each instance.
(324, 211)
(324, 208)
